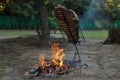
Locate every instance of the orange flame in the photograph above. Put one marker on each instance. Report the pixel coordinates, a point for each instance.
(57, 54)
(41, 60)
(54, 47)
(61, 59)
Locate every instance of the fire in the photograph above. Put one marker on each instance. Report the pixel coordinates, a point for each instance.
(61, 57)
(50, 66)
(57, 54)
(54, 48)
(41, 60)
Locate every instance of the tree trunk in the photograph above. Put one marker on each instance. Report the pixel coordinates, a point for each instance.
(45, 32)
(113, 36)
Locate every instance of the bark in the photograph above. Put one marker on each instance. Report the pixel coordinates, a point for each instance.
(113, 36)
(45, 32)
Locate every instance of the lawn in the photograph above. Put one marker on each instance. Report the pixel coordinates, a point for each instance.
(95, 34)
(15, 33)
(88, 34)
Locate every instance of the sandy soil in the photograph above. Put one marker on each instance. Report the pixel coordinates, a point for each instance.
(19, 54)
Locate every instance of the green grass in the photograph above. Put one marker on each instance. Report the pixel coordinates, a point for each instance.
(97, 34)
(14, 33)
(93, 34)
(88, 34)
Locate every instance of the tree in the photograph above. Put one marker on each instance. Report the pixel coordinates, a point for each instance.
(112, 8)
(2, 6)
(22, 8)
(19, 9)
(45, 32)
(79, 6)
(25, 8)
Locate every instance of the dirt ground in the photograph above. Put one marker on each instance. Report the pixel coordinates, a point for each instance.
(19, 54)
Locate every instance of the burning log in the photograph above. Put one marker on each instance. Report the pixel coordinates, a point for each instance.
(51, 70)
(55, 69)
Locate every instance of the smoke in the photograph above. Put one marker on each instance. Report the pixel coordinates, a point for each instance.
(94, 16)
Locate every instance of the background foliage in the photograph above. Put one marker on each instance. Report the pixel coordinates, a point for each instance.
(108, 10)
